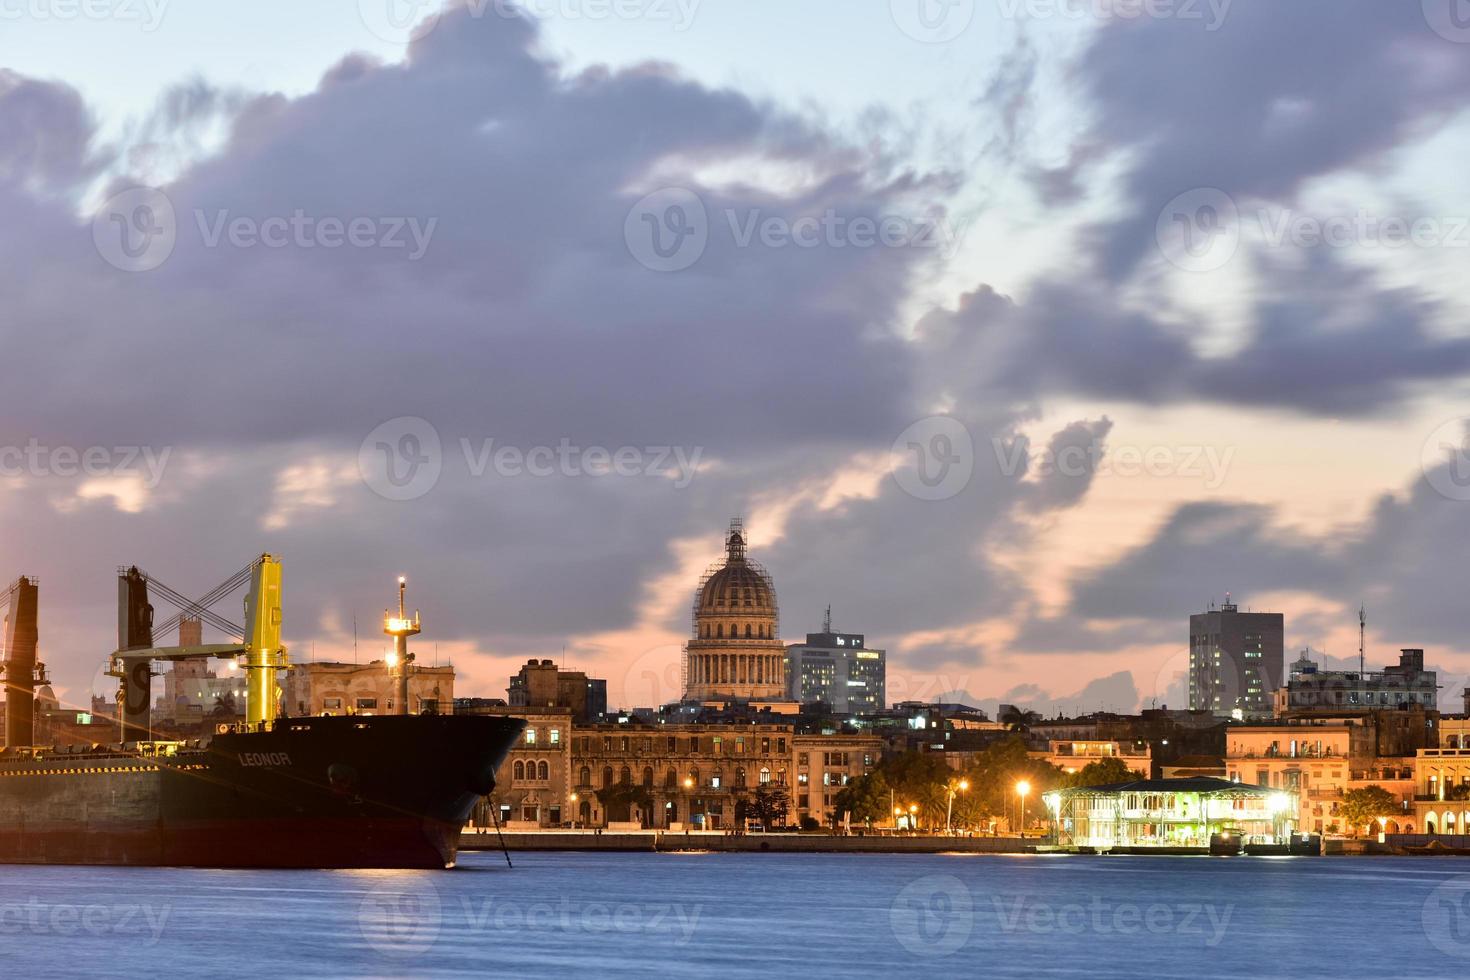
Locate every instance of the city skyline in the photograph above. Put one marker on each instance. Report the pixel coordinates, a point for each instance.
(1007, 414)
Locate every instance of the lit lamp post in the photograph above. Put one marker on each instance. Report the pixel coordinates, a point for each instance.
(897, 815)
(573, 800)
(1022, 788)
(954, 787)
(1382, 828)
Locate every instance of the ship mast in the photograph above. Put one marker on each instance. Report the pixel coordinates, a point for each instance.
(400, 627)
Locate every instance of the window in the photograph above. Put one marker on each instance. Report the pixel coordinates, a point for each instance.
(367, 704)
(648, 777)
(626, 776)
(673, 744)
(520, 770)
(715, 744)
(528, 814)
(543, 771)
(715, 780)
(740, 746)
(556, 736)
(671, 779)
(765, 776)
(584, 778)
(607, 776)
(332, 704)
(530, 736)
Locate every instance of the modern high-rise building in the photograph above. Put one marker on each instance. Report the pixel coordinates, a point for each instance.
(837, 669)
(1235, 661)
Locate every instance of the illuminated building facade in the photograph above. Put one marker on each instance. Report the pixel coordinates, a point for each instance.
(1170, 813)
(837, 669)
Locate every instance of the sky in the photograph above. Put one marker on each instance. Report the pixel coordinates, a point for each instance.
(1015, 330)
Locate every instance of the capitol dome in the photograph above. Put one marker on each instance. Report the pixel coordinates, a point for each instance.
(736, 651)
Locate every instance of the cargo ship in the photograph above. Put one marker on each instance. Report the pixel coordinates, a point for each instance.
(348, 791)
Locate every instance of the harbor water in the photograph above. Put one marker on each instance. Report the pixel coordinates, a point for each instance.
(767, 915)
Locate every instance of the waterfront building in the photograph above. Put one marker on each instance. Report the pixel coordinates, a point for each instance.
(533, 784)
(1169, 813)
(1309, 690)
(823, 765)
(1073, 755)
(321, 688)
(1321, 759)
(673, 776)
(194, 691)
(838, 670)
(736, 651)
(1235, 661)
(1442, 781)
(542, 684)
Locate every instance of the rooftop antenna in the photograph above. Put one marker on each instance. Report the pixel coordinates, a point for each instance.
(354, 638)
(1362, 631)
(827, 620)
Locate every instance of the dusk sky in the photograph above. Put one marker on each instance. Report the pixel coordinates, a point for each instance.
(1015, 330)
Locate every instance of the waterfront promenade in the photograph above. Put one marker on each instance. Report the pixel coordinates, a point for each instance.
(697, 840)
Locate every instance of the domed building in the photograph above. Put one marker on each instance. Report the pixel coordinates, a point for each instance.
(736, 652)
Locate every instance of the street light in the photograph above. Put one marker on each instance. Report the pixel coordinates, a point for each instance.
(954, 787)
(573, 800)
(1022, 788)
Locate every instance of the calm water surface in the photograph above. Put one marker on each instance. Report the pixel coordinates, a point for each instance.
(752, 915)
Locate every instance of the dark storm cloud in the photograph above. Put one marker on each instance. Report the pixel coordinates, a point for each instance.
(1280, 94)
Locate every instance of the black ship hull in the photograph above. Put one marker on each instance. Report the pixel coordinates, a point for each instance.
(342, 792)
